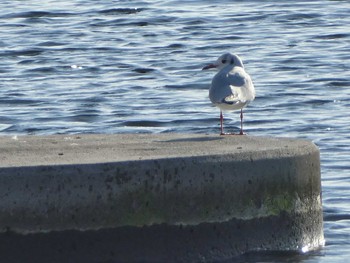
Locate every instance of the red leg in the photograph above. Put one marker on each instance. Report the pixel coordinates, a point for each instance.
(241, 132)
(221, 123)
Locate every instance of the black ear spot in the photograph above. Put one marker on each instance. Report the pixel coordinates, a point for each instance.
(232, 61)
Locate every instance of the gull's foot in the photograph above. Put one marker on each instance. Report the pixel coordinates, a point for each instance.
(228, 133)
(232, 133)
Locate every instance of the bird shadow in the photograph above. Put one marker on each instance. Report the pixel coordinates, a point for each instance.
(196, 139)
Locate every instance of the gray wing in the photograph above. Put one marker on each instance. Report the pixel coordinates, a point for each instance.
(231, 87)
(241, 85)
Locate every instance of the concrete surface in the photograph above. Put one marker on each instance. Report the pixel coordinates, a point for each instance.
(157, 197)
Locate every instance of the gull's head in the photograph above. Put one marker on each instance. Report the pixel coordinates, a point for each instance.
(225, 60)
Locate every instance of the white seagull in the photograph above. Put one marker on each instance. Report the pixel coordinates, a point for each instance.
(231, 88)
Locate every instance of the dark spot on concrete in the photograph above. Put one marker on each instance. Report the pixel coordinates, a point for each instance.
(167, 176)
(122, 177)
(109, 180)
(177, 183)
(157, 189)
(212, 176)
(157, 164)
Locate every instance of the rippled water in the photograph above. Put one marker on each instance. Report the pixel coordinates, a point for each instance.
(135, 66)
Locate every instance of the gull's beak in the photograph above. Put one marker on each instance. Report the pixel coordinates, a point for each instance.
(210, 66)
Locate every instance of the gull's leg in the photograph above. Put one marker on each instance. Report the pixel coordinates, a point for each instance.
(241, 132)
(221, 123)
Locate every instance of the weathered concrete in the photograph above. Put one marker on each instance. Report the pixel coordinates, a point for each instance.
(157, 197)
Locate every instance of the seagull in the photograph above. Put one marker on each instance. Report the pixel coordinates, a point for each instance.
(231, 88)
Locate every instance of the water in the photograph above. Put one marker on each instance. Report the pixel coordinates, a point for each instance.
(135, 66)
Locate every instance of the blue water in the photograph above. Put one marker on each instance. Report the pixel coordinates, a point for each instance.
(135, 66)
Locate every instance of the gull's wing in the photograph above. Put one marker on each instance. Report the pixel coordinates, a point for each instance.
(241, 85)
(232, 87)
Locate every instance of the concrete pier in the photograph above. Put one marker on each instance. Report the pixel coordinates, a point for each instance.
(156, 197)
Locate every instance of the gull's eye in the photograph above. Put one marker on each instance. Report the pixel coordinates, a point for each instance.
(223, 61)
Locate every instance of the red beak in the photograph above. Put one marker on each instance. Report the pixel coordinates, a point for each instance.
(209, 66)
